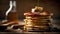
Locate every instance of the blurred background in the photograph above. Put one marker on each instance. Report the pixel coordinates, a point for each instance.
(23, 6)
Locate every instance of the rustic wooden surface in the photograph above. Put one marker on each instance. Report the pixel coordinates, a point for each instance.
(29, 33)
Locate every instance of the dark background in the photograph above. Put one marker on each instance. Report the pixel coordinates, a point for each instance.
(26, 5)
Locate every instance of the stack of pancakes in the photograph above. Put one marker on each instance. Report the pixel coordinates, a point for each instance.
(37, 21)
